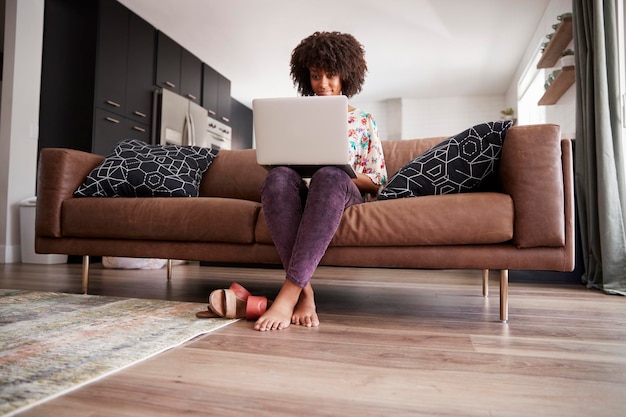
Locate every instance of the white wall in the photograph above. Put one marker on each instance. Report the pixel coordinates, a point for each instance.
(447, 116)
(410, 118)
(19, 117)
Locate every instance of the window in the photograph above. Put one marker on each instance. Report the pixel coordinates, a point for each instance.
(530, 87)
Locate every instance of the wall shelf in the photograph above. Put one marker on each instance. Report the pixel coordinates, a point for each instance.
(559, 86)
(562, 37)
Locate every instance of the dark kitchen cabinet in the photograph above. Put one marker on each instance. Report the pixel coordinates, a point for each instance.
(216, 95)
(190, 76)
(140, 70)
(112, 56)
(135, 130)
(242, 126)
(97, 57)
(125, 64)
(177, 69)
(224, 105)
(168, 63)
(110, 128)
(68, 76)
(209, 90)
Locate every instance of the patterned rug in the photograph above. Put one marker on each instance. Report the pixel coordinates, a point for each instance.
(51, 343)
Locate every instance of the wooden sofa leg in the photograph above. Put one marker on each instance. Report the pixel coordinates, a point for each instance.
(485, 282)
(169, 269)
(85, 273)
(504, 295)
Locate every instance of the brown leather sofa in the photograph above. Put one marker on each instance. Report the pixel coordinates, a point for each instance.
(527, 223)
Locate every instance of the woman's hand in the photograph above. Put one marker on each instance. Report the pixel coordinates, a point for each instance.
(365, 184)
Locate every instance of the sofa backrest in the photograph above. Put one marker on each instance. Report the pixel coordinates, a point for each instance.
(399, 152)
(234, 174)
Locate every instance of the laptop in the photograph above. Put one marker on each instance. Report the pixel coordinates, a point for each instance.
(303, 133)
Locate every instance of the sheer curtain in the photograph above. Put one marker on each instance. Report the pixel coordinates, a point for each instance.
(599, 170)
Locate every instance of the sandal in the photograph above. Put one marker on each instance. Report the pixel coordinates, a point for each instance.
(236, 302)
(239, 291)
(256, 306)
(226, 303)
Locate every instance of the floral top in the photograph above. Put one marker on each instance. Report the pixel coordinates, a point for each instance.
(366, 150)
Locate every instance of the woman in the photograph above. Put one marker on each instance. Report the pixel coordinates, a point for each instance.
(303, 219)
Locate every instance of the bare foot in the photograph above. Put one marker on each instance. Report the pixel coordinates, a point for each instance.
(305, 313)
(278, 315)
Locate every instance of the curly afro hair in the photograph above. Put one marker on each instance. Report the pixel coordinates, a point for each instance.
(334, 52)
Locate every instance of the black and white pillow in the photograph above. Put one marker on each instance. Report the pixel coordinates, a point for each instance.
(458, 164)
(137, 169)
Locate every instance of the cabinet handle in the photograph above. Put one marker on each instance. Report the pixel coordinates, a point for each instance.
(191, 96)
(140, 114)
(169, 84)
(112, 120)
(112, 103)
(212, 112)
(226, 119)
(139, 129)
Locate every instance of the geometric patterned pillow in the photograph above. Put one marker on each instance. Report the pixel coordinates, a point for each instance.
(456, 165)
(137, 169)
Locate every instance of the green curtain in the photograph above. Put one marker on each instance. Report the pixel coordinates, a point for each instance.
(599, 169)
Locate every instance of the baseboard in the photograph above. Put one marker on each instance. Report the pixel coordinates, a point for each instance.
(10, 254)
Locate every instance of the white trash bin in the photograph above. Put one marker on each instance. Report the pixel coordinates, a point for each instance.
(28, 209)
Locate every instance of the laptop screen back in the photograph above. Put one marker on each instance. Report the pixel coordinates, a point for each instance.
(302, 132)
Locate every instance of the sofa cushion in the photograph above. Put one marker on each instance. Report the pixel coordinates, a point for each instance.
(202, 219)
(454, 219)
(459, 164)
(137, 169)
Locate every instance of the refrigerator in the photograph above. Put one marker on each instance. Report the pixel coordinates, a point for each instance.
(181, 121)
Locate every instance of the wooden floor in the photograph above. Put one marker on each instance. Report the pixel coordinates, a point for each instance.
(391, 343)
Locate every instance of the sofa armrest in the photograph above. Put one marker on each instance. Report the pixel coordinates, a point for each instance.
(532, 172)
(60, 173)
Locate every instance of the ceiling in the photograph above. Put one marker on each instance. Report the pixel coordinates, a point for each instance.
(414, 48)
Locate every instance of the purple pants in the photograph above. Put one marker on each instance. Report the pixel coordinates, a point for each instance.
(302, 221)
